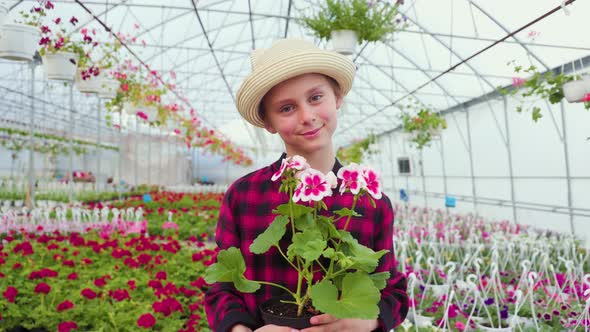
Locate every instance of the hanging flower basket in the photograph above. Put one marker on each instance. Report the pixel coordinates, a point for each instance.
(574, 91)
(108, 87)
(19, 42)
(60, 66)
(3, 11)
(92, 84)
(344, 41)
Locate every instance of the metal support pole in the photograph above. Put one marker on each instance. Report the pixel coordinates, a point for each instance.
(471, 168)
(423, 178)
(160, 168)
(72, 126)
(392, 162)
(510, 167)
(31, 189)
(444, 168)
(567, 167)
(149, 158)
(135, 164)
(98, 177)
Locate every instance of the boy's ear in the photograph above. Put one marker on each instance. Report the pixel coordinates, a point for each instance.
(269, 127)
(338, 101)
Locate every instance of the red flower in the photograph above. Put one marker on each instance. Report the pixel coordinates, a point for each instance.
(65, 305)
(10, 294)
(68, 262)
(144, 259)
(25, 247)
(73, 20)
(72, 276)
(86, 261)
(42, 288)
(17, 266)
(131, 284)
(146, 321)
(120, 253)
(155, 284)
(100, 282)
(161, 275)
(88, 293)
(119, 294)
(199, 283)
(66, 326)
(131, 263)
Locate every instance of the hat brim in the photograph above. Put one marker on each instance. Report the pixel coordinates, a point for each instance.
(257, 84)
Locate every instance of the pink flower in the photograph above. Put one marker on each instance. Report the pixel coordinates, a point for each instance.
(88, 293)
(314, 186)
(460, 326)
(65, 305)
(10, 294)
(352, 178)
(161, 275)
(142, 115)
(586, 98)
(146, 321)
(42, 288)
(66, 326)
(169, 224)
(372, 183)
(517, 81)
(295, 162)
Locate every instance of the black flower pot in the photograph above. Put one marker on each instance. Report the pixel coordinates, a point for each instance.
(277, 313)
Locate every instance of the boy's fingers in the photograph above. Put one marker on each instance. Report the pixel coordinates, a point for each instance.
(322, 319)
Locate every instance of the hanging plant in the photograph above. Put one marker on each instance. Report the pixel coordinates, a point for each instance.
(538, 86)
(355, 152)
(422, 124)
(371, 20)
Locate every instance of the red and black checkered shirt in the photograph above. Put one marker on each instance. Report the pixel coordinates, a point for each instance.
(247, 211)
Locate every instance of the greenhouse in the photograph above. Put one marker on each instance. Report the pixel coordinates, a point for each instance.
(294, 165)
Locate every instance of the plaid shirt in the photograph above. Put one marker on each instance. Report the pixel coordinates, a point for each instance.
(247, 211)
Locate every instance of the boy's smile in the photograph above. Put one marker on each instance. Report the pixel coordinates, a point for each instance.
(302, 110)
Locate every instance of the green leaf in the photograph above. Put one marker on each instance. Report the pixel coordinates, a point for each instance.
(537, 114)
(271, 236)
(326, 226)
(359, 297)
(304, 222)
(309, 245)
(379, 279)
(363, 258)
(347, 213)
(230, 267)
(298, 210)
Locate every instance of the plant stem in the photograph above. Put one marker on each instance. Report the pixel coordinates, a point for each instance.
(337, 246)
(277, 285)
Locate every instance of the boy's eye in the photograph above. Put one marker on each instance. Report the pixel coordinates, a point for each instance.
(316, 97)
(286, 108)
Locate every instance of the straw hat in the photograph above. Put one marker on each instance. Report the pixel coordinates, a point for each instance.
(285, 59)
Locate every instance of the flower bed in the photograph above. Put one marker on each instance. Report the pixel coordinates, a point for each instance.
(80, 282)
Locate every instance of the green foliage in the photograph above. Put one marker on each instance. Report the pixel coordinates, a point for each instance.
(354, 153)
(271, 236)
(372, 21)
(422, 124)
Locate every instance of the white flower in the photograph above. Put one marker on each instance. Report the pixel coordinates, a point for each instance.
(371, 182)
(295, 162)
(314, 186)
(351, 178)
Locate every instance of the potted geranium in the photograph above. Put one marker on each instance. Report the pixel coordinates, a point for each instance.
(19, 40)
(335, 272)
(60, 52)
(348, 22)
(93, 75)
(423, 125)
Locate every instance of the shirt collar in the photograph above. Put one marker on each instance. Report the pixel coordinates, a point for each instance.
(277, 164)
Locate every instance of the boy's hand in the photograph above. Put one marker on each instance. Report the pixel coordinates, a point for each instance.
(329, 323)
(274, 328)
(240, 328)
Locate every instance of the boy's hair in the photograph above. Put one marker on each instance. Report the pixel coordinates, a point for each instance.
(335, 87)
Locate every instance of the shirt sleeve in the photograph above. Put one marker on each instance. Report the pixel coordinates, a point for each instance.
(224, 305)
(394, 305)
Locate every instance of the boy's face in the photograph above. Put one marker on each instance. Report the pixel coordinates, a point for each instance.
(302, 110)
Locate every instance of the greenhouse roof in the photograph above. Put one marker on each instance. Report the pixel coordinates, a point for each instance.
(205, 46)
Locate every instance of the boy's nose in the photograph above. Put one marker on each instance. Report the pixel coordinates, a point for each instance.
(307, 114)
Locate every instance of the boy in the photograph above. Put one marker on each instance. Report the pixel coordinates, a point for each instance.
(295, 90)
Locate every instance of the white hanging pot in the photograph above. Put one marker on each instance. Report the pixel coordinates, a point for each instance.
(344, 41)
(586, 80)
(419, 320)
(19, 42)
(60, 66)
(91, 84)
(480, 327)
(574, 91)
(108, 87)
(3, 11)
